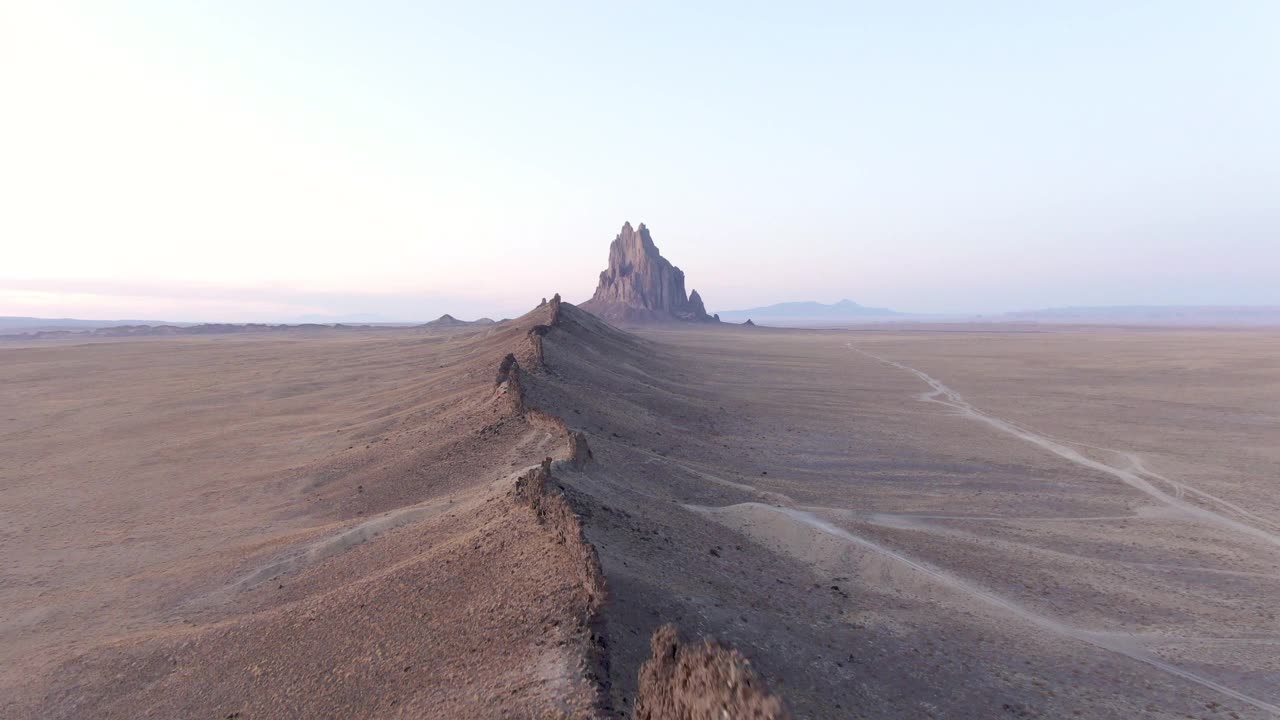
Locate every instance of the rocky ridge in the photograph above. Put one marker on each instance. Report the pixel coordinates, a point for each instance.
(680, 680)
(462, 581)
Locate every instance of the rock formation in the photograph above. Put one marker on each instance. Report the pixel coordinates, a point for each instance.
(642, 286)
(508, 382)
(579, 452)
(449, 321)
(701, 681)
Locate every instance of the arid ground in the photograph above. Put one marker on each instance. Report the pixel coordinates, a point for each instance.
(889, 522)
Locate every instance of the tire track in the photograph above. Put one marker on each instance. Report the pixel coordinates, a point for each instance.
(1133, 477)
(1127, 645)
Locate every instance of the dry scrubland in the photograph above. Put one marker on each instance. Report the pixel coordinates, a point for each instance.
(959, 522)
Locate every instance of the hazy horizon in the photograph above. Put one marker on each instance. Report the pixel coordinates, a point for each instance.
(238, 162)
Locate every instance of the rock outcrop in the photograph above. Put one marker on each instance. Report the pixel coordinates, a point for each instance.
(535, 489)
(701, 681)
(642, 286)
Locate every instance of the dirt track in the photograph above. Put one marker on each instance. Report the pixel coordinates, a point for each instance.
(1135, 475)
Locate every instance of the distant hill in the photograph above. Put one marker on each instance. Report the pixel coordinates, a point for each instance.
(810, 313)
(44, 331)
(353, 319)
(449, 321)
(1154, 315)
(123, 331)
(18, 324)
(28, 328)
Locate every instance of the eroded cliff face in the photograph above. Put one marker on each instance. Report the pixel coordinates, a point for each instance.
(642, 286)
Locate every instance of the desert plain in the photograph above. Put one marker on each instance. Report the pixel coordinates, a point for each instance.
(910, 521)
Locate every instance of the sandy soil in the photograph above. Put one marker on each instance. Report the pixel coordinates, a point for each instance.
(313, 526)
(1080, 522)
(886, 523)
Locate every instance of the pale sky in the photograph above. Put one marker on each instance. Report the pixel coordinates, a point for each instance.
(273, 160)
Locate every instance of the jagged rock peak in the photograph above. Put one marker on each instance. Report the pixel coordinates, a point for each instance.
(555, 310)
(695, 303)
(640, 284)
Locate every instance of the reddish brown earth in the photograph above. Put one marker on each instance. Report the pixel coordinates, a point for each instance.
(332, 528)
(352, 524)
(700, 681)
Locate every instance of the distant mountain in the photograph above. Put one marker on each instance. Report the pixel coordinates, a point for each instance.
(353, 319)
(15, 324)
(810, 313)
(29, 328)
(1154, 315)
(124, 331)
(449, 321)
